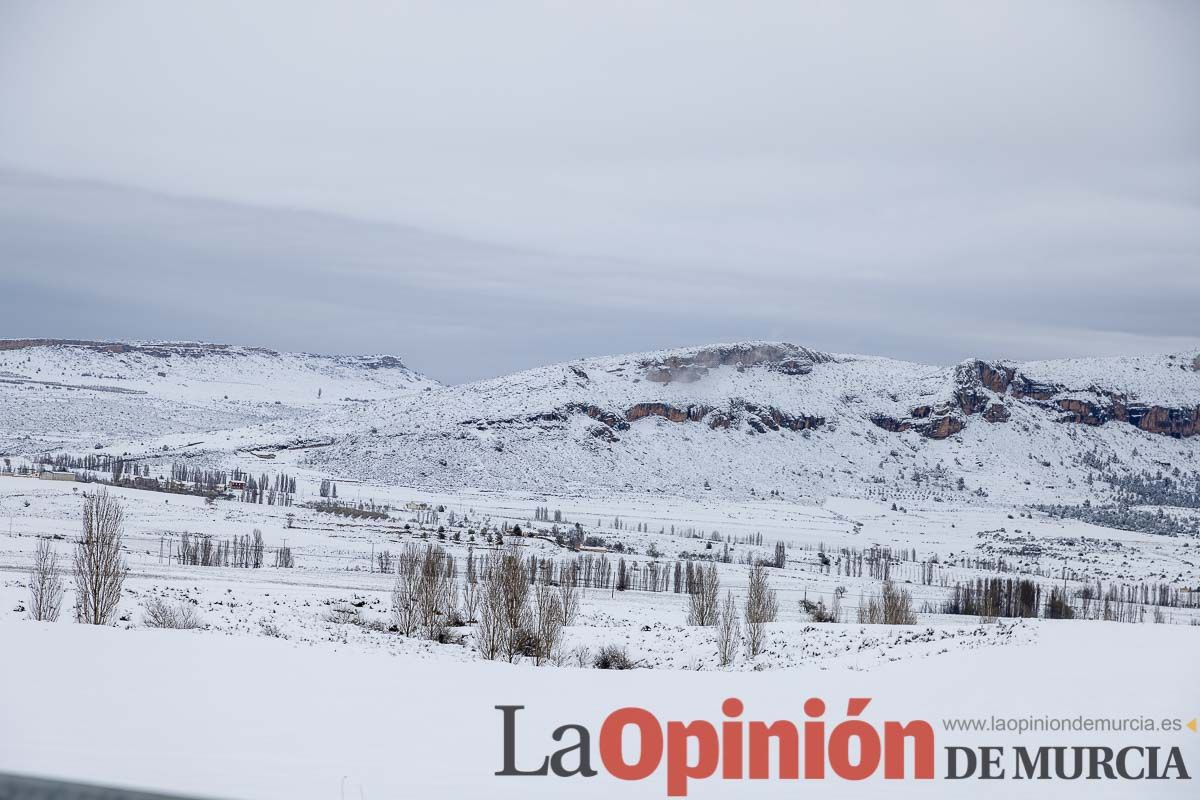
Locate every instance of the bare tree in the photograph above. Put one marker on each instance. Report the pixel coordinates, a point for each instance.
(511, 577)
(45, 584)
(489, 632)
(549, 624)
(470, 589)
(436, 594)
(520, 616)
(820, 612)
(509, 587)
(405, 595)
(835, 608)
(729, 631)
(505, 620)
(568, 592)
(702, 602)
(892, 606)
(257, 548)
(284, 559)
(762, 605)
(449, 592)
(99, 568)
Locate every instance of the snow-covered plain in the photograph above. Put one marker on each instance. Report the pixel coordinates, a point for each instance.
(236, 716)
(296, 687)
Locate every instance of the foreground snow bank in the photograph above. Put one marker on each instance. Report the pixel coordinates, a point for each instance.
(209, 714)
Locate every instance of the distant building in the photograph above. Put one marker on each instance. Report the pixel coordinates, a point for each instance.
(57, 476)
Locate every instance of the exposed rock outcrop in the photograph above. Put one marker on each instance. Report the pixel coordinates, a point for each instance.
(603, 433)
(665, 410)
(1179, 422)
(759, 419)
(788, 359)
(762, 419)
(610, 418)
(939, 427)
(996, 412)
(981, 388)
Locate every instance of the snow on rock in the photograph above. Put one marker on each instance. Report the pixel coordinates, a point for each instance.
(774, 417)
(765, 418)
(62, 394)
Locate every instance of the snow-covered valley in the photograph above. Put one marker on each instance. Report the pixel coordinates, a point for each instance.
(271, 499)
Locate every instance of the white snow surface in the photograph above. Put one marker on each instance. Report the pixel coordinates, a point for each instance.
(223, 716)
(523, 431)
(72, 396)
(275, 697)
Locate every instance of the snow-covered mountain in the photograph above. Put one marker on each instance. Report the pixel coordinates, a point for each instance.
(64, 394)
(776, 417)
(761, 418)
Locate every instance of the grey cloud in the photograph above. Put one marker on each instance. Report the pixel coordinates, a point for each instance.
(498, 186)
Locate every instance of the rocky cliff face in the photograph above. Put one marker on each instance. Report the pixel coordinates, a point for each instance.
(772, 416)
(758, 419)
(985, 389)
(788, 359)
(694, 375)
(762, 387)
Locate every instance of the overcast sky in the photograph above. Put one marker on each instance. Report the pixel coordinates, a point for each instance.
(481, 187)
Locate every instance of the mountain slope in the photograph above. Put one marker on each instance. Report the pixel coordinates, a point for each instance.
(767, 419)
(63, 394)
(770, 417)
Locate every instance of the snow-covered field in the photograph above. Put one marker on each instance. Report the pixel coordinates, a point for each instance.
(237, 716)
(297, 682)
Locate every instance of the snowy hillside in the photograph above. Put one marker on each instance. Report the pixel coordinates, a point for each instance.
(737, 420)
(57, 394)
(775, 417)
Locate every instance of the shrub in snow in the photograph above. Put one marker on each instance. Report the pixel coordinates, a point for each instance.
(612, 656)
(271, 629)
(158, 613)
